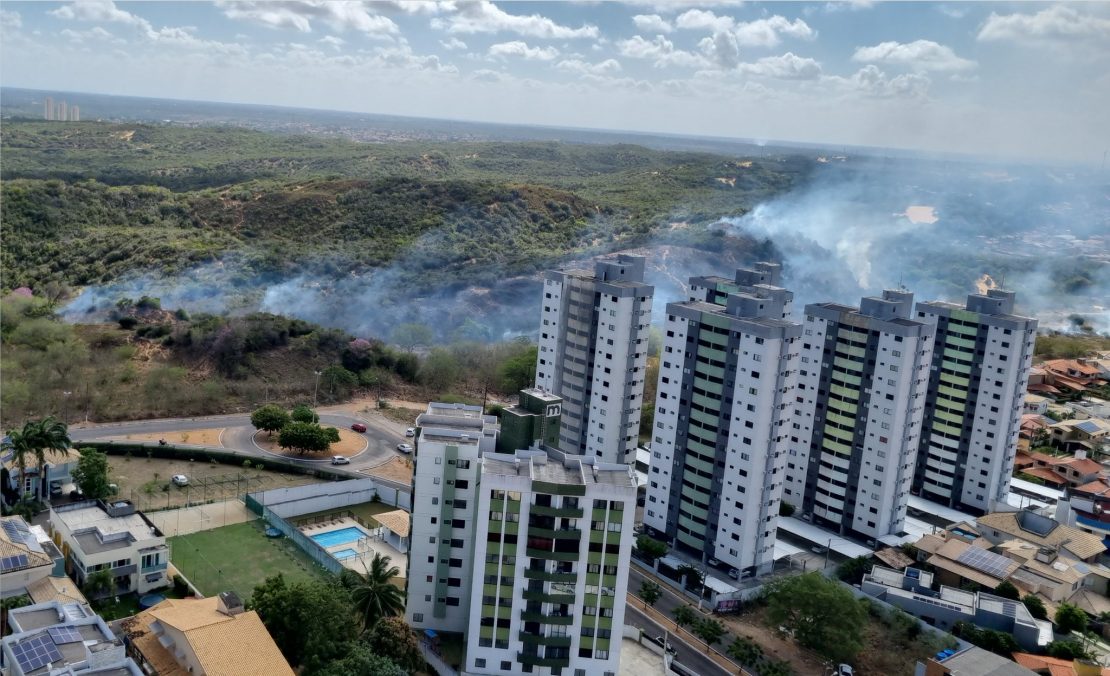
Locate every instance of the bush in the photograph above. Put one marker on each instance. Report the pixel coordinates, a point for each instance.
(180, 586)
(1036, 607)
(128, 323)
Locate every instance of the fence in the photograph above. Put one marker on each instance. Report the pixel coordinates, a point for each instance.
(229, 457)
(306, 544)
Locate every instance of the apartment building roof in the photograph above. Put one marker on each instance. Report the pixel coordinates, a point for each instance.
(1042, 531)
(553, 466)
(225, 645)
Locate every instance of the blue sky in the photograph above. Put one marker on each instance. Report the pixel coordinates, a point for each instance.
(1003, 79)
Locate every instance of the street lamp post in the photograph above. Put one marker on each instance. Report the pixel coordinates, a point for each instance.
(65, 406)
(317, 388)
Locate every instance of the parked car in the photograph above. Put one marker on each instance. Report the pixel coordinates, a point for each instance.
(359, 427)
(734, 573)
(844, 670)
(340, 460)
(180, 480)
(661, 641)
(56, 487)
(404, 448)
(410, 432)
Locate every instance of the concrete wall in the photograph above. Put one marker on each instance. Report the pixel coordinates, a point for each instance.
(293, 502)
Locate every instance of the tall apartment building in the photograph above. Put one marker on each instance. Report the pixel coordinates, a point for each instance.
(593, 354)
(553, 540)
(75, 114)
(862, 382)
(714, 289)
(449, 441)
(61, 111)
(980, 369)
(48, 108)
(725, 398)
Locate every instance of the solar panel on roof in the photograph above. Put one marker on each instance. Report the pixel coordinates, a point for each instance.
(990, 563)
(66, 634)
(35, 653)
(15, 530)
(13, 562)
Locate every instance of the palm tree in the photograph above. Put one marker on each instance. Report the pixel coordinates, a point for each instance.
(35, 440)
(375, 596)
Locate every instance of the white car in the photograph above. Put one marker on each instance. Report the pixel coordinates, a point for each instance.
(404, 448)
(410, 432)
(340, 460)
(180, 480)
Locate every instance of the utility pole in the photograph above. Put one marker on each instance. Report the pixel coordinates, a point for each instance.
(316, 390)
(65, 406)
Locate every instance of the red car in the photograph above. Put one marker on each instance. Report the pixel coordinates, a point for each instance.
(359, 427)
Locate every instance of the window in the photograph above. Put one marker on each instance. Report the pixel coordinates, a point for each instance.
(480, 663)
(418, 617)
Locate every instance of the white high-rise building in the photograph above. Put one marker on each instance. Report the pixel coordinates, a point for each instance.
(449, 441)
(725, 402)
(981, 361)
(553, 540)
(862, 380)
(593, 354)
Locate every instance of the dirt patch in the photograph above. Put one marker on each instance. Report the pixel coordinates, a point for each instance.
(196, 437)
(146, 481)
(350, 444)
(394, 469)
(753, 625)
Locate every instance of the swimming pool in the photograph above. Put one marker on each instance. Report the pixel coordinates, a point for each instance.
(344, 554)
(339, 537)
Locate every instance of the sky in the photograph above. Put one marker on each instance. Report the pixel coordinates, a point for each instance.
(993, 79)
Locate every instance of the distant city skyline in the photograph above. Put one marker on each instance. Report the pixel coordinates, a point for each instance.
(1027, 80)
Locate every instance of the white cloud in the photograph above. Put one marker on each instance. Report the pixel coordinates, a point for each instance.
(722, 49)
(870, 81)
(10, 19)
(99, 10)
(918, 55)
(1058, 23)
(332, 41)
(785, 67)
(482, 16)
(521, 50)
(766, 32)
(652, 23)
(94, 33)
(167, 36)
(698, 19)
(452, 43)
(668, 6)
(299, 15)
(953, 12)
(580, 67)
(402, 57)
(660, 51)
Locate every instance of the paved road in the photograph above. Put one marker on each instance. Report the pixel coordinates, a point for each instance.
(238, 434)
(666, 605)
(692, 657)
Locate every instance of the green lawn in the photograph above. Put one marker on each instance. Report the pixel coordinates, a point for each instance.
(238, 558)
(363, 510)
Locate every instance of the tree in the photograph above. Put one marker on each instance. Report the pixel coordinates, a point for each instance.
(333, 434)
(998, 642)
(98, 584)
(853, 570)
(376, 596)
(270, 418)
(91, 474)
(650, 592)
(304, 437)
(391, 637)
(786, 509)
(11, 603)
(709, 630)
(685, 616)
(338, 380)
(692, 575)
(1007, 590)
(1070, 618)
(519, 371)
(651, 549)
(311, 622)
(361, 661)
(35, 440)
(440, 370)
(744, 650)
(1067, 650)
(822, 614)
(1035, 606)
(412, 335)
(302, 413)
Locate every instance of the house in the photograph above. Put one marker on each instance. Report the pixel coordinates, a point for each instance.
(112, 536)
(1080, 435)
(1034, 424)
(204, 637)
(1042, 664)
(1089, 408)
(1060, 471)
(1045, 572)
(1041, 531)
(42, 482)
(959, 563)
(24, 560)
(1072, 374)
(911, 591)
(1035, 404)
(55, 588)
(970, 661)
(62, 639)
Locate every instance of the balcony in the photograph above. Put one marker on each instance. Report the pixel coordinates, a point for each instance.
(548, 597)
(565, 512)
(551, 556)
(155, 567)
(553, 618)
(553, 533)
(546, 576)
(553, 641)
(537, 661)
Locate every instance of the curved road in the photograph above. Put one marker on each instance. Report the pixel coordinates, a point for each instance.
(238, 435)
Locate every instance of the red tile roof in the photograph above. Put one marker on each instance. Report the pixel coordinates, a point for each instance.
(1045, 474)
